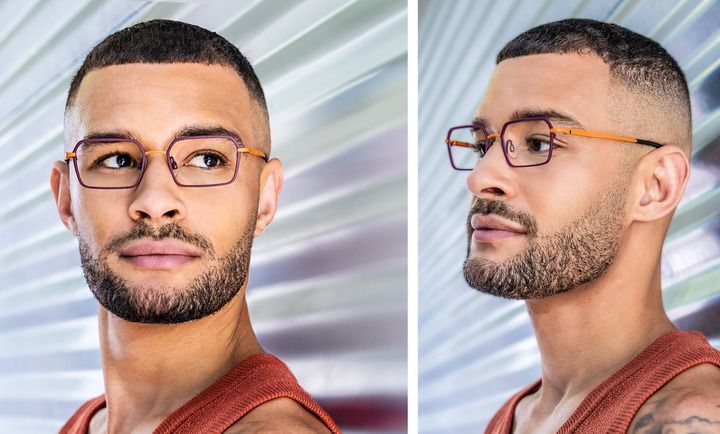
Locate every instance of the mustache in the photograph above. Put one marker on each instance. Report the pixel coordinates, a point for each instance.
(501, 209)
(168, 230)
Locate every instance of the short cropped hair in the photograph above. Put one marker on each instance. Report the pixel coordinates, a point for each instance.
(166, 41)
(635, 61)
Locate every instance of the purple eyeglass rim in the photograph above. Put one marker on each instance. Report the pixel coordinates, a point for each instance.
(502, 135)
(238, 144)
(553, 133)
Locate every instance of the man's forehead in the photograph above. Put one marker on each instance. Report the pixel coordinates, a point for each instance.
(157, 100)
(556, 116)
(170, 78)
(574, 85)
(555, 67)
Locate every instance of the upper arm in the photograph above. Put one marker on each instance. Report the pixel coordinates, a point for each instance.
(281, 415)
(690, 403)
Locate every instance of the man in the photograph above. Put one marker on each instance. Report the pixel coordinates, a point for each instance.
(166, 129)
(579, 156)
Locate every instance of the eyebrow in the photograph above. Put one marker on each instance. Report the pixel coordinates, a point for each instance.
(186, 131)
(552, 115)
(114, 134)
(204, 130)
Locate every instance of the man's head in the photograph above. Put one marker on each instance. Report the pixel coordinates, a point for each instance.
(566, 221)
(161, 252)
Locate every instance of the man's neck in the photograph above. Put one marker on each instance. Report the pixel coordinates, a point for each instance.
(583, 343)
(150, 370)
(590, 332)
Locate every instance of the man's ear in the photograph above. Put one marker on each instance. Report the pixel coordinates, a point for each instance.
(271, 179)
(663, 175)
(60, 186)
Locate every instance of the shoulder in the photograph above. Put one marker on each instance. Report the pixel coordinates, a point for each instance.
(689, 403)
(280, 415)
(98, 422)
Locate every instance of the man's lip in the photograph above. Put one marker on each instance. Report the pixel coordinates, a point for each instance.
(492, 222)
(159, 262)
(164, 247)
(491, 235)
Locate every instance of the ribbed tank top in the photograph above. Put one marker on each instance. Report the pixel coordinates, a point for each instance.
(611, 406)
(252, 382)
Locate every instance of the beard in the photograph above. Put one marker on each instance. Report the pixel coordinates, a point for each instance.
(201, 297)
(554, 263)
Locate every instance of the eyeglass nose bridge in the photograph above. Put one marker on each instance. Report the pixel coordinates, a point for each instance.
(492, 138)
(173, 164)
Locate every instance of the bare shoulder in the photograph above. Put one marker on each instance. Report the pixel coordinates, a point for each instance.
(98, 422)
(689, 403)
(281, 415)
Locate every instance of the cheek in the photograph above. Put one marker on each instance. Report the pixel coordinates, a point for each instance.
(223, 216)
(99, 218)
(98, 213)
(560, 196)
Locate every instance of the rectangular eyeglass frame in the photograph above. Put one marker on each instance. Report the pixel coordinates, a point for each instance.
(553, 131)
(241, 149)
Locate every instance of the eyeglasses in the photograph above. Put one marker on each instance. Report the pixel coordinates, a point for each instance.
(196, 161)
(526, 142)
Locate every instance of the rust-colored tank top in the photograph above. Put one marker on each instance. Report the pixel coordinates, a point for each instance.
(611, 406)
(252, 382)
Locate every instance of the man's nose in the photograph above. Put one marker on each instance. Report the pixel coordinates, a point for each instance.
(157, 199)
(492, 178)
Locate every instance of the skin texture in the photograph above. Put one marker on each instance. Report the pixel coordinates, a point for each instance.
(604, 311)
(552, 263)
(143, 361)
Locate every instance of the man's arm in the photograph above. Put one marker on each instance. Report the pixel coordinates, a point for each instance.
(690, 403)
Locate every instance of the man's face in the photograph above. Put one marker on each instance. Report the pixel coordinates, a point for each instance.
(161, 253)
(567, 214)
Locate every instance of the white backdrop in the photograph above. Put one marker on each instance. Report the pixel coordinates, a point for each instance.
(328, 282)
(476, 350)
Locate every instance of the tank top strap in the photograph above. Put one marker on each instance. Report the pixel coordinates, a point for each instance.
(254, 381)
(502, 422)
(79, 422)
(612, 405)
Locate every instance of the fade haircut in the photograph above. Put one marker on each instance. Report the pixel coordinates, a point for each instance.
(636, 62)
(166, 41)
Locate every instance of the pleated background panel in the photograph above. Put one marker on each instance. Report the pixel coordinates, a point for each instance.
(476, 350)
(328, 283)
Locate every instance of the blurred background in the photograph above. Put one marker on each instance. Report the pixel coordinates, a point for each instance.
(476, 350)
(328, 286)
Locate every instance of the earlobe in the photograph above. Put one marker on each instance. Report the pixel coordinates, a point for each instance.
(665, 174)
(271, 180)
(60, 187)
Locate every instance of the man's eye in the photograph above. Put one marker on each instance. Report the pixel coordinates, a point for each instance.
(479, 148)
(538, 144)
(207, 160)
(117, 161)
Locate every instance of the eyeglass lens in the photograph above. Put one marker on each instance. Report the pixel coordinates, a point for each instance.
(195, 161)
(527, 143)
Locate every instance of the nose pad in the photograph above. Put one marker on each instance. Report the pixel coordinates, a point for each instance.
(173, 164)
(511, 150)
